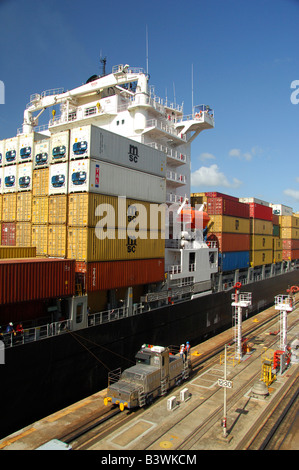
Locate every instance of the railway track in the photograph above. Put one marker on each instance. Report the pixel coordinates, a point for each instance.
(268, 432)
(97, 429)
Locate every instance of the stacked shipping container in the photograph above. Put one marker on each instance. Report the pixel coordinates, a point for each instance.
(229, 226)
(109, 177)
(289, 226)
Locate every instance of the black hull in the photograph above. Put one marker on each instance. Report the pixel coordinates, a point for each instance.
(43, 377)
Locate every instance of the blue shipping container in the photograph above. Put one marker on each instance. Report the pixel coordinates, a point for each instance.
(231, 260)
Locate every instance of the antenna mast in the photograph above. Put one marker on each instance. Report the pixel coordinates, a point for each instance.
(146, 50)
(192, 89)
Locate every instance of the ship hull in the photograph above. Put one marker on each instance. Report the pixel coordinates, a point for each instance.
(42, 377)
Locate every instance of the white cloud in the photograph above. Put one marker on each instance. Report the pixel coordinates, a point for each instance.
(212, 176)
(206, 156)
(245, 155)
(235, 153)
(293, 193)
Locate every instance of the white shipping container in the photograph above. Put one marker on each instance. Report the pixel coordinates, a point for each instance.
(254, 200)
(26, 146)
(59, 148)
(100, 144)
(11, 151)
(10, 179)
(24, 177)
(58, 180)
(105, 178)
(280, 209)
(42, 154)
(2, 152)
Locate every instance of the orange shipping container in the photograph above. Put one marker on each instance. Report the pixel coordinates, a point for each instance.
(290, 244)
(290, 254)
(116, 274)
(34, 279)
(230, 241)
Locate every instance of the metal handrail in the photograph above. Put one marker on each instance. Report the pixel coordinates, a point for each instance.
(29, 335)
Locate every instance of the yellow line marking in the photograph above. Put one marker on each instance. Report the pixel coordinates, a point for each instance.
(16, 438)
(69, 410)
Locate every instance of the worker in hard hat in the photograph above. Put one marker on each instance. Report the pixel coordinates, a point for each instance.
(182, 350)
(187, 349)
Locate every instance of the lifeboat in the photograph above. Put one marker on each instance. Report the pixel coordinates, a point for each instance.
(194, 218)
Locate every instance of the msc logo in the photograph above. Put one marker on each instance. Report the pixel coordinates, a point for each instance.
(2, 93)
(133, 154)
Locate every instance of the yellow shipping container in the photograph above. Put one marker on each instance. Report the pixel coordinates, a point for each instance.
(58, 209)
(40, 210)
(84, 245)
(261, 242)
(57, 241)
(198, 198)
(277, 256)
(228, 224)
(10, 252)
(260, 257)
(24, 203)
(7, 252)
(40, 239)
(87, 209)
(261, 227)
(9, 207)
(277, 244)
(23, 234)
(289, 233)
(288, 221)
(1, 200)
(40, 182)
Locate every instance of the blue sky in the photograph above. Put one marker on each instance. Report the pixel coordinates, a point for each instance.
(244, 55)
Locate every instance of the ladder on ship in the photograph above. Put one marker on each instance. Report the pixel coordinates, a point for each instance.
(164, 386)
(141, 397)
(185, 372)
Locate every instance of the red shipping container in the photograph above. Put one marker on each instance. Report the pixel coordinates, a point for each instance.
(222, 206)
(35, 279)
(8, 234)
(230, 241)
(226, 196)
(275, 219)
(290, 254)
(105, 275)
(258, 211)
(290, 244)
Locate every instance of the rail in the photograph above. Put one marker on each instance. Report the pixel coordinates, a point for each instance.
(171, 153)
(29, 335)
(37, 333)
(163, 127)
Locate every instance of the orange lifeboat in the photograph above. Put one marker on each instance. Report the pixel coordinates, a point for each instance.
(194, 218)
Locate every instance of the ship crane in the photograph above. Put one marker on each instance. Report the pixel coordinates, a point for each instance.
(240, 300)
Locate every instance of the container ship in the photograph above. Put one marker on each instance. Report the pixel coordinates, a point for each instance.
(103, 248)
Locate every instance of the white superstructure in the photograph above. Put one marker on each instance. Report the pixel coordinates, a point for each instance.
(123, 103)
